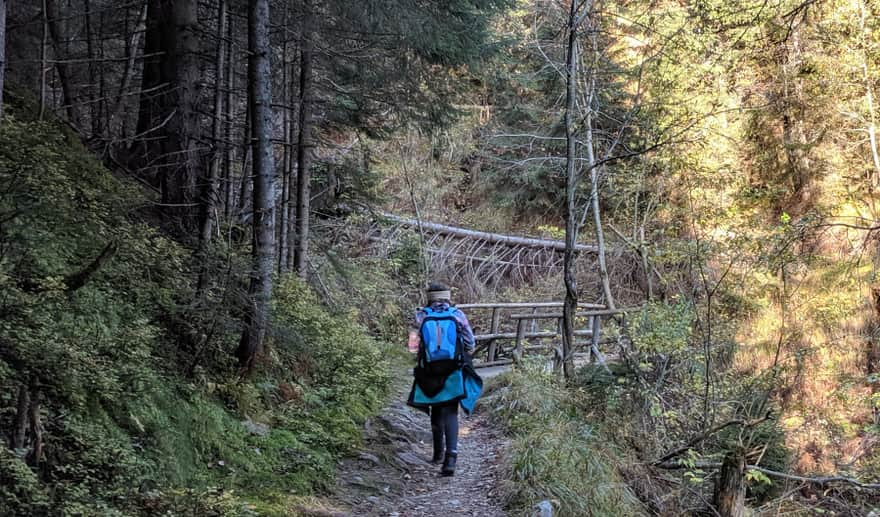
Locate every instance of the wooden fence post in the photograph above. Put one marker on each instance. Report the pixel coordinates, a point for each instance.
(520, 331)
(496, 321)
(595, 322)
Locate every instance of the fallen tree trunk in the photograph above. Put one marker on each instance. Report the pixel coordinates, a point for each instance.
(489, 237)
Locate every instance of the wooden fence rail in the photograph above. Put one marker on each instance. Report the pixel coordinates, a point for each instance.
(526, 324)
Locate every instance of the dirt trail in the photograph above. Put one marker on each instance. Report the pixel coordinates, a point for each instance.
(393, 477)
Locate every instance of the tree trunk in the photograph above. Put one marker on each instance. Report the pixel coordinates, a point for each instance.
(304, 144)
(247, 169)
(869, 93)
(260, 98)
(499, 238)
(19, 432)
(131, 51)
(794, 137)
(594, 182)
(600, 237)
(286, 153)
(2, 53)
(103, 113)
(94, 117)
(44, 56)
(730, 490)
(36, 455)
(569, 308)
(168, 120)
(290, 172)
(229, 197)
(209, 186)
(62, 69)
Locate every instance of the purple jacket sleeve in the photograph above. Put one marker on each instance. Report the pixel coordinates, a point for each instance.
(467, 333)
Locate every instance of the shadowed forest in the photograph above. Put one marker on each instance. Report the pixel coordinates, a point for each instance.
(217, 218)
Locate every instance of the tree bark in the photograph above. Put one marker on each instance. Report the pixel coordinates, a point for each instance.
(290, 172)
(94, 117)
(44, 56)
(260, 98)
(600, 238)
(36, 455)
(209, 186)
(19, 432)
(571, 180)
(304, 143)
(229, 198)
(730, 490)
(594, 184)
(247, 170)
(79, 279)
(57, 35)
(2, 53)
(287, 154)
(131, 48)
(168, 119)
(498, 238)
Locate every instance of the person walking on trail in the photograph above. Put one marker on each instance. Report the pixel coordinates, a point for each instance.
(444, 376)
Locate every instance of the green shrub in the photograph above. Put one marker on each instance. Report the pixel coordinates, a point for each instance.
(20, 490)
(555, 455)
(348, 369)
(663, 328)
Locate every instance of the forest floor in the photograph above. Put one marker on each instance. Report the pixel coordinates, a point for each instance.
(393, 476)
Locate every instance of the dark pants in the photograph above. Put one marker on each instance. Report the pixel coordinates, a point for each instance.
(444, 424)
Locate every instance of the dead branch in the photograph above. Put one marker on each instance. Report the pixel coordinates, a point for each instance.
(819, 480)
(77, 280)
(706, 434)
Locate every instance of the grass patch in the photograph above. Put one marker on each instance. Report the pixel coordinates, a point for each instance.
(555, 454)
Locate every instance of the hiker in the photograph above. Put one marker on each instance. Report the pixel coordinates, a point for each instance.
(444, 375)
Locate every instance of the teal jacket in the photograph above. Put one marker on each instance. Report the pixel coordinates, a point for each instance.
(443, 382)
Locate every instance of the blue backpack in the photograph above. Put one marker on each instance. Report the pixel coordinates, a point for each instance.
(439, 335)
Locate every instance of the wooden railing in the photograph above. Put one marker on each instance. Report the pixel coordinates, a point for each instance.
(525, 321)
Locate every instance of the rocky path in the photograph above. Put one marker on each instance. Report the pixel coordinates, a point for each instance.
(393, 477)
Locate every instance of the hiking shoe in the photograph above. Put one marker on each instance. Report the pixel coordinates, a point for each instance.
(448, 465)
(438, 457)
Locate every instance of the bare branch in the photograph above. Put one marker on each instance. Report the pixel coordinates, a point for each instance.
(706, 434)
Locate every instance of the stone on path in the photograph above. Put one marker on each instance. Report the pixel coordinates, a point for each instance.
(543, 509)
(366, 456)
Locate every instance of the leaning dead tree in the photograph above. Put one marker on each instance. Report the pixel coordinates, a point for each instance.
(496, 238)
(466, 256)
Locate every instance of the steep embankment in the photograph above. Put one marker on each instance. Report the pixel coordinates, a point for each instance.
(118, 393)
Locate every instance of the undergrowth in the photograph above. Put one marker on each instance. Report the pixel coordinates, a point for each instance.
(555, 455)
(133, 421)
